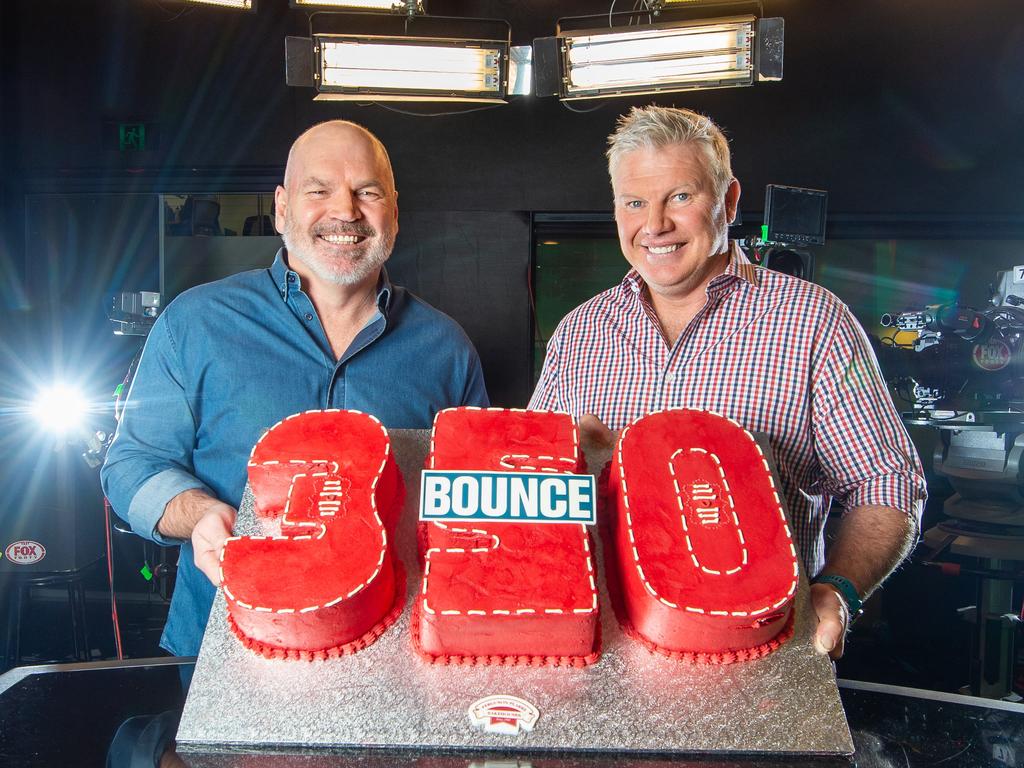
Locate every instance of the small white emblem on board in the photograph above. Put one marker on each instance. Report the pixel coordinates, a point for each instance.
(507, 715)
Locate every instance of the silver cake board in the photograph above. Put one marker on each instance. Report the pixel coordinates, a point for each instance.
(386, 696)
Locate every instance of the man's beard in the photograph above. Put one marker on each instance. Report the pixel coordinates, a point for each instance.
(351, 270)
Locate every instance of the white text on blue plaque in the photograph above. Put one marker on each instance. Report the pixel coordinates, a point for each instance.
(507, 497)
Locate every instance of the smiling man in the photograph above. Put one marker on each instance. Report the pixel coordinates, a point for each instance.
(695, 325)
(323, 327)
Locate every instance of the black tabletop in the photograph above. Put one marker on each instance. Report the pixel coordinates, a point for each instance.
(125, 714)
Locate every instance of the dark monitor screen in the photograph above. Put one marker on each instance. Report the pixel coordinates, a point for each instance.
(795, 215)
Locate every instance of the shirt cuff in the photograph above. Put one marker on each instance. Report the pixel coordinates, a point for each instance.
(148, 504)
(904, 494)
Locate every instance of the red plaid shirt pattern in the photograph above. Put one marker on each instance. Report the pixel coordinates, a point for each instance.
(781, 356)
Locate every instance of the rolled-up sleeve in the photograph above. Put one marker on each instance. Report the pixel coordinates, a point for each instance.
(861, 444)
(150, 459)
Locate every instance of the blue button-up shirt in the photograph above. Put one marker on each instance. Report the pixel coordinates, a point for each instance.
(229, 359)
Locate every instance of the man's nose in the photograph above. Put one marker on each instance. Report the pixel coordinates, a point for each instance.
(657, 221)
(345, 206)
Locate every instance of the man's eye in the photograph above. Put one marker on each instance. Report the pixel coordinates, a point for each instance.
(681, 197)
(369, 194)
(317, 192)
(633, 204)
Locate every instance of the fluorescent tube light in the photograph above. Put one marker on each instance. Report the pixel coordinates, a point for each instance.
(670, 56)
(240, 5)
(372, 68)
(721, 67)
(366, 5)
(689, 56)
(657, 42)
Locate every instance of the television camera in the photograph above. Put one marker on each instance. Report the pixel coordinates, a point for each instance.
(794, 217)
(132, 314)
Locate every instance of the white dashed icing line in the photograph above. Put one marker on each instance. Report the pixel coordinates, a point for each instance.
(698, 494)
(504, 462)
(323, 528)
(632, 540)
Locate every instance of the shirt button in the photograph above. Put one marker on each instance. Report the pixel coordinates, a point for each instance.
(309, 317)
(291, 278)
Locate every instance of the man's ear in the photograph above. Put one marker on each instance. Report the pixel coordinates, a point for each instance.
(280, 208)
(732, 200)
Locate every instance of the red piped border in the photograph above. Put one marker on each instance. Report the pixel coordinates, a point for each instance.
(700, 657)
(500, 661)
(347, 649)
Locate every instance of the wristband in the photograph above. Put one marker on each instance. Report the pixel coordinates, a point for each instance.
(846, 590)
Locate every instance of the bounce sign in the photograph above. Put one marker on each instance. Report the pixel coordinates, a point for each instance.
(507, 497)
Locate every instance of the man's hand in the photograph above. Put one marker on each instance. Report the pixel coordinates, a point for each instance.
(207, 521)
(208, 538)
(833, 619)
(870, 543)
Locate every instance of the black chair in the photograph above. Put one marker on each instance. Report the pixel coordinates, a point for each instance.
(205, 217)
(18, 588)
(258, 225)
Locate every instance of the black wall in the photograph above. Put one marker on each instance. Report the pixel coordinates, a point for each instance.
(906, 109)
(903, 107)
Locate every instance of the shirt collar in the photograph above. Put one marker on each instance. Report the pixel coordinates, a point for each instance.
(737, 269)
(287, 280)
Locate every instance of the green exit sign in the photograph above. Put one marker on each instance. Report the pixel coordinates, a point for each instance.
(131, 136)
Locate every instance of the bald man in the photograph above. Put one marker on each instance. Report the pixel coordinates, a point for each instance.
(323, 327)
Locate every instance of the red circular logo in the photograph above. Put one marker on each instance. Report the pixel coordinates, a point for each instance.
(25, 552)
(993, 356)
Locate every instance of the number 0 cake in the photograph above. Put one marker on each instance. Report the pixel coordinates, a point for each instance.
(701, 563)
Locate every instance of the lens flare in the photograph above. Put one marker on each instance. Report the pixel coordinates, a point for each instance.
(60, 408)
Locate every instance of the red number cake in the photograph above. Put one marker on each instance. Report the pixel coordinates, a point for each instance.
(701, 564)
(506, 593)
(330, 583)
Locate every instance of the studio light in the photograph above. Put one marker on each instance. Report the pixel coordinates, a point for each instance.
(367, 5)
(238, 5)
(381, 68)
(408, 65)
(60, 409)
(673, 56)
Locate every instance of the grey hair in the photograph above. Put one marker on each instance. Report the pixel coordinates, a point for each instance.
(653, 127)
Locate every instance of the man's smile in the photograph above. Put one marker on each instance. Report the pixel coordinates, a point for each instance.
(661, 250)
(342, 239)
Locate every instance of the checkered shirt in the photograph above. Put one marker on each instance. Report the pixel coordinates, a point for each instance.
(781, 356)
